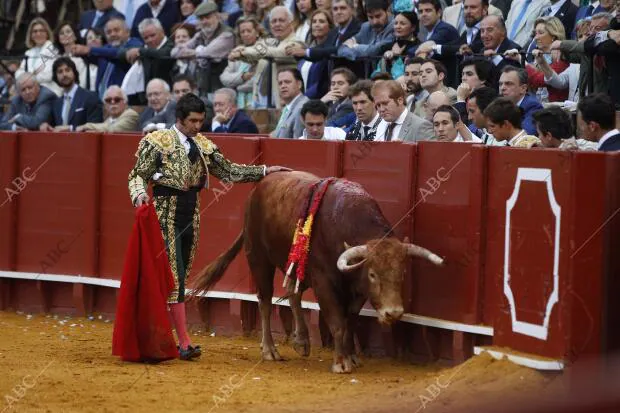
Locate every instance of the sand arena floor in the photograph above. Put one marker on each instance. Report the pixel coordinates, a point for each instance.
(58, 364)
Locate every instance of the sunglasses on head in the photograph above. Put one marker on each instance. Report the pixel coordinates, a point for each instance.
(113, 100)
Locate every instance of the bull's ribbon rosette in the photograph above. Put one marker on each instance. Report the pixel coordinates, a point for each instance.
(298, 255)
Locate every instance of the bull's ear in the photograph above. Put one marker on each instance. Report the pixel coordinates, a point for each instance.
(406, 240)
(346, 246)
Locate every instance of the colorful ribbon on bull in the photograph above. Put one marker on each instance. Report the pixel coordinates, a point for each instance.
(298, 255)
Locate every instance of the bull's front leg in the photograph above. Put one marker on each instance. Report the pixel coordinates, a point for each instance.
(349, 337)
(335, 316)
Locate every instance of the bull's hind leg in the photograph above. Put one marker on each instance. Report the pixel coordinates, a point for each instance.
(263, 273)
(301, 342)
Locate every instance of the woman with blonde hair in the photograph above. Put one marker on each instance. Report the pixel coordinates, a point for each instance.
(40, 55)
(546, 31)
(240, 75)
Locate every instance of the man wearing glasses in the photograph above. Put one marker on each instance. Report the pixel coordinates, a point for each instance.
(120, 118)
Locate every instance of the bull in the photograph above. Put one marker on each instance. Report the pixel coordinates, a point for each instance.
(342, 277)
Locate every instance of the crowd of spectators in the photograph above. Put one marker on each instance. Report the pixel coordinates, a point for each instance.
(525, 73)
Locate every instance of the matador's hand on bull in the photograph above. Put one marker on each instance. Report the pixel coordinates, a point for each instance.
(272, 169)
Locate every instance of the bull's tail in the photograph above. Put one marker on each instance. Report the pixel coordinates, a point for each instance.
(212, 273)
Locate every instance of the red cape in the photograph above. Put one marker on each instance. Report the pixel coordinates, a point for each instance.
(142, 329)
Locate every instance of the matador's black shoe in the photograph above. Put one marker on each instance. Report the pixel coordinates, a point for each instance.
(189, 353)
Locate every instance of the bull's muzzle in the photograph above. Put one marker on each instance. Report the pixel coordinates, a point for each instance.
(388, 315)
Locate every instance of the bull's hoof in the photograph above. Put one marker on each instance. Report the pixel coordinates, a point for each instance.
(357, 362)
(302, 347)
(271, 354)
(344, 366)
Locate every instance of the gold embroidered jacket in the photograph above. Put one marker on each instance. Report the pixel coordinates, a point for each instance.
(163, 153)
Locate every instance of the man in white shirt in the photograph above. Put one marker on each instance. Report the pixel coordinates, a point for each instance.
(400, 124)
(448, 126)
(314, 115)
(596, 119)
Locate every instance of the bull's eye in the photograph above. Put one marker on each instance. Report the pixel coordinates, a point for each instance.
(372, 276)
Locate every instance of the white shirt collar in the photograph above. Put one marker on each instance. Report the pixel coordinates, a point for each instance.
(607, 136)
(372, 122)
(180, 134)
(402, 117)
(157, 9)
(557, 6)
(163, 42)
(330, 134)
(595, 4)
(162, 109)
(520, 101)
(72, 91)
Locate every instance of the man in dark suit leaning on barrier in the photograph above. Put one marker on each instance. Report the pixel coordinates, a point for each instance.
(77, 105)
(228, 118)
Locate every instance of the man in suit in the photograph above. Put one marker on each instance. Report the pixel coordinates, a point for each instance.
(120, 118)
(184, 84)
(167, 12)
(154, 56)
(290, 88)
(340, 109)
(456, 15)
(596, 119)
(564, 10)
(228, 118)
(440, 32)
(76, 106)
(521, 18)
(31, 107)
(495, 42)
(160, 111)
(595, 7)
(346, 27)
(374, 35)
(607, 44)
(400, 124)
(110, 69)
(97, 18)
(513, 85)
(476, 104)
(367, 118)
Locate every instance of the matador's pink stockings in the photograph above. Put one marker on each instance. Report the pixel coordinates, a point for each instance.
(177, 313)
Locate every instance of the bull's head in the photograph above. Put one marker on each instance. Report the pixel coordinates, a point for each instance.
(383, 264)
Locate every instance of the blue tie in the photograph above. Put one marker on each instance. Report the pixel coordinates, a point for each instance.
(461, 22)
(517, 22)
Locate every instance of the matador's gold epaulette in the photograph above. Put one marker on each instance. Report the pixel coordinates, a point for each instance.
(205, 144)
(163, 139)
(527, 141)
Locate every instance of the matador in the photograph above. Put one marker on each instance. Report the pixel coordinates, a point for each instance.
(178, 162)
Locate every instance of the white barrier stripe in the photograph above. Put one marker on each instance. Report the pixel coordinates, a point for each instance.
(106, 282)
(533, 363)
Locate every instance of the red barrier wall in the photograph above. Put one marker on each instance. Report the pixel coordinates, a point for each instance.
(115, 210)
(8, 204)
(452, 199)
(222, 210)
(58, 215)
(448, 207)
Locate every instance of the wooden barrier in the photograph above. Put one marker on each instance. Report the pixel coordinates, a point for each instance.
(530, 238)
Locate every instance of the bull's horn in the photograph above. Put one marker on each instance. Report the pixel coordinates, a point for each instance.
(349, 255)
(417, 251)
